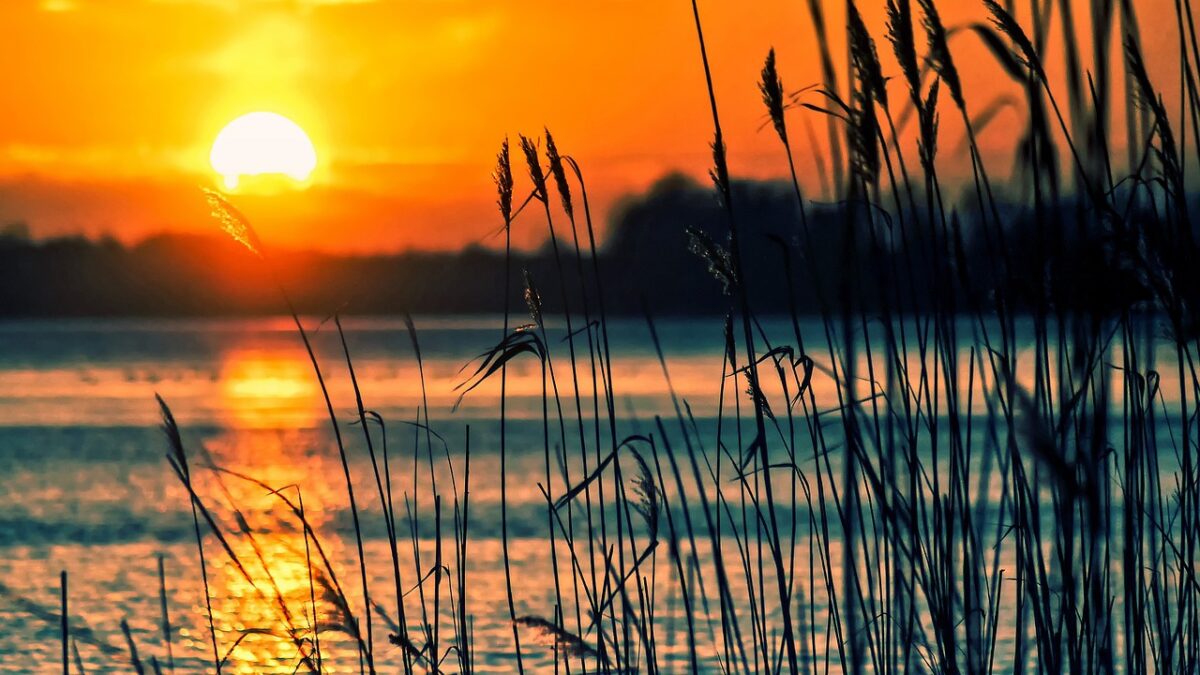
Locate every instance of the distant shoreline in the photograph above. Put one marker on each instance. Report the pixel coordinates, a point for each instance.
(648, 260)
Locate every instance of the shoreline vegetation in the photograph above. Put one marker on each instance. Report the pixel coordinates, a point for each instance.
(646, 259)
(1057, 532)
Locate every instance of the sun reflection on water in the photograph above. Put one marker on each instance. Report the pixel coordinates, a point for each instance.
(273, 389)
(263, 602)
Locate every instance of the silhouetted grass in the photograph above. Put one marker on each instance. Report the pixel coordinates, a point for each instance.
(991, 491)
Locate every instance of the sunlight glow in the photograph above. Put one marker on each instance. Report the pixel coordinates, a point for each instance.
(268, 390)
(259, 144)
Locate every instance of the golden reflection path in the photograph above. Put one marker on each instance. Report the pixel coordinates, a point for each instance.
(264, 616)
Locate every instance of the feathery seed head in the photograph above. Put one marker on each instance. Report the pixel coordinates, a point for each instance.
(504, 182)
(533, 299)
(928, 117)
(771, 87)
(535, 168)
(720, 171)
(900, 34)
(717, 257)
(232, 222)
(1008, 25)
(939, 52)
(564, 641)
(865, 56)
(647, 504)
(560, 175)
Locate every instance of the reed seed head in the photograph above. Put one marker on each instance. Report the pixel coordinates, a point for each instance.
(928, 119)
(718, 259)
(720, 171)
(939, 52)
(533, 299)
(535, 169)
(568, 643)
(504, 182)
(560, 175)
(771, 86)
(900, 34)
(864, 55)
(647, 504)
(1006, 24)
(233, 222)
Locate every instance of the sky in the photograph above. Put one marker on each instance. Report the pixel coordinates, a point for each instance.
(111, 107)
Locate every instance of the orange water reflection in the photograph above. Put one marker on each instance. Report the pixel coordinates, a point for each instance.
(263, 603)
(269, 389)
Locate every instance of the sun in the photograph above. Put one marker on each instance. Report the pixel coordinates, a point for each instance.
(262, 144)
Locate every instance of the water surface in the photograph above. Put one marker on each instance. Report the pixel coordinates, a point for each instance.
(85, 486)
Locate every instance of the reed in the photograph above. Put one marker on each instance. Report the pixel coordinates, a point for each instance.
(996, 483)
(65, 626)
(134, 660)
(165, 623)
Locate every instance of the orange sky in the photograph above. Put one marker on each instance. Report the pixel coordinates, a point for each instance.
(108, 107)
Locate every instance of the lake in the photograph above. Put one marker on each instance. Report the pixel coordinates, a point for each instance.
(85, 485)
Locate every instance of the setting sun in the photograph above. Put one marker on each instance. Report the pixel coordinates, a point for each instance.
(262, 144)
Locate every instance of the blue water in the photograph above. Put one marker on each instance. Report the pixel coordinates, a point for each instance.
(85, 486)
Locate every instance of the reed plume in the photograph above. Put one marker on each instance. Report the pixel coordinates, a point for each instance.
(939, 52)
(900, 33)
(771, 87)
(864, 56)
(534, 164)
(232, 222)
(568, 643)
(503, 178)
(560, 176)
